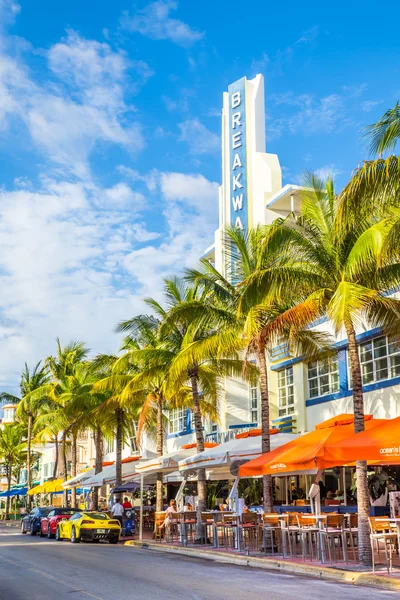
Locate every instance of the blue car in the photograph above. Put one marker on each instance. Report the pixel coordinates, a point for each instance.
(31, 522)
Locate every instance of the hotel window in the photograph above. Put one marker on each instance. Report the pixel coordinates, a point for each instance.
(177, 420)
(254, 401)
(379, 359)
(110, 446)
(285, 392)
(323, 377)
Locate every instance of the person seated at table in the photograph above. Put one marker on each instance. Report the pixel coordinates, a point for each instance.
(188, 507)
(171, 509)
(339, 495)
(330, 495)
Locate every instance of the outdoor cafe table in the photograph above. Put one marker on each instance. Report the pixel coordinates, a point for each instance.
(214, 514)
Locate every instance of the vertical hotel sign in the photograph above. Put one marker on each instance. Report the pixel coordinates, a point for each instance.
(237, 154)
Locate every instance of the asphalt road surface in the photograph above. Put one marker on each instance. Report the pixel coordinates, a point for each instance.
(39, 569)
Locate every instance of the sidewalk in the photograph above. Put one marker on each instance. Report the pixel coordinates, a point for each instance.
(348, 573)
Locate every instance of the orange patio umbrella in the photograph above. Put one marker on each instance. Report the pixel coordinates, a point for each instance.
(306, 453)
(379, 445)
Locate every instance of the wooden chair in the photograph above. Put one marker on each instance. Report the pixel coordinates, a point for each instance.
(231, 533)
(290, 530)
(189, 526)
(331, 531)
(270, 527)
(351, 532)
(309, 534)
(159, 529)
(249, 530)
(383, 531)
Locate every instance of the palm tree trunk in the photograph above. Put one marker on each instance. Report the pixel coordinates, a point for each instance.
(265, 425)
(55, 470)
(74, 468)
(119, 413)
(28, 457)
(201, 473)
(160, 447)
(8, 499)
(364, 545)
(98, 441)
(65, 466)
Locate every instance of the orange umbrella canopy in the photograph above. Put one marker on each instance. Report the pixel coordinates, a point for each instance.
(379, 444)
(305, 453)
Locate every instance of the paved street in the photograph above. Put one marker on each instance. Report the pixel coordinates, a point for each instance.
(38, 569)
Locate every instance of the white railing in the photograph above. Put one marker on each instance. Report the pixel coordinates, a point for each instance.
(220, 437)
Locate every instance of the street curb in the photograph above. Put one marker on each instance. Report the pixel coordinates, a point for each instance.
(317, 571)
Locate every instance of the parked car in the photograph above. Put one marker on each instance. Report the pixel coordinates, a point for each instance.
(31, 522)
(88, 527)
(48, 524)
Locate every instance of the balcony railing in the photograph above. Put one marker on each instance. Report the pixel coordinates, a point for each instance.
(220, 437)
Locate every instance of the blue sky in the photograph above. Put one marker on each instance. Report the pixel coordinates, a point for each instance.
(110, 141)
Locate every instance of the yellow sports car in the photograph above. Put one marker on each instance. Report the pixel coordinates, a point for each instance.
(88, 527)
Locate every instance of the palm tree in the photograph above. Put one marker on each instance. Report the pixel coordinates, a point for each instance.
(384, 135)
(251, 304)
(11, 452)
(346, 276)
(59, 391)
(204, 355)
(146, 387)
(28, 409)
(119, 415)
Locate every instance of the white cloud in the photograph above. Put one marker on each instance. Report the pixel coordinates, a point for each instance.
(369, 105)
(308, 114)
(8, 11)
(198, 137)
(154, 21)
(86, 107)
(326, 171)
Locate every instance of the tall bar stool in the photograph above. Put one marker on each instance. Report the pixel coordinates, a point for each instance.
(159, 530)
(231, 533)
(309, 535)
(331, 531)
(290, 531)
(249, 531)
(351, 532)
(189, 527)
(383, 531)
(271, 532)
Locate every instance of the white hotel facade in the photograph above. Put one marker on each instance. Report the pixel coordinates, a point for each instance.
(302, 394)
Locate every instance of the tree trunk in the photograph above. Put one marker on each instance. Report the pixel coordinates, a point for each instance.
(364, 544)
(65, 466)
(265, 425)
(55, 470)
(8, 499)
(160, 448)
(201, 473)
(74, 468)
(119, 413)
(28, 458)
(98, 441)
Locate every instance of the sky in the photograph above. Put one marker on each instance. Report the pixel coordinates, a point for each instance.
(110, 151)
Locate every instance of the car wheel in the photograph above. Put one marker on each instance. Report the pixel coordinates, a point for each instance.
(32, 529)
(58, 535)
(23, 530)
(113, 540)
(74, 538)
(49, 534)
(41, 534)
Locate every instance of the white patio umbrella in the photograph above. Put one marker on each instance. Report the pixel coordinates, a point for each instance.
(221, 457)
(109, 475)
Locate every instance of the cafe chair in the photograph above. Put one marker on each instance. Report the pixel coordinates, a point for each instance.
(271, 533)
(331, 532)
(383, 532)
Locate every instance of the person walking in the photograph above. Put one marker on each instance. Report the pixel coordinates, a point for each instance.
(117, 511)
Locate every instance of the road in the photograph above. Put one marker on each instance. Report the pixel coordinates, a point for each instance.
(39, 569)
